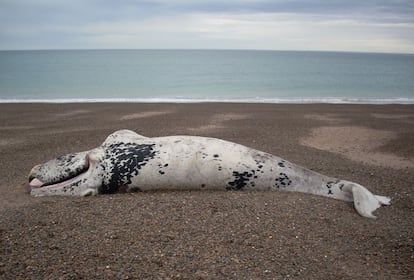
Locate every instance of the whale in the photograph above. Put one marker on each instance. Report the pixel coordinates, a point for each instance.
(130, 162)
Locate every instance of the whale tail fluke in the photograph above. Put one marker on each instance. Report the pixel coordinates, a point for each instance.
(365, 202)
(384, 200)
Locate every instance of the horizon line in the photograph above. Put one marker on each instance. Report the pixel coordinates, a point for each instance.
(201, 49)
(183, 100)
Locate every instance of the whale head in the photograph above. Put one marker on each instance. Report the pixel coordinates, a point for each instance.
(105, 169)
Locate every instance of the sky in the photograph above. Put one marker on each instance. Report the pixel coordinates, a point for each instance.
(330, 25)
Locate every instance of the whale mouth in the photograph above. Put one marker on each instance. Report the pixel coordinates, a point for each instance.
(36, 183)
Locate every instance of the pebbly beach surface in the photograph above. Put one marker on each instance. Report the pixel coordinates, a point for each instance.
(211, 234)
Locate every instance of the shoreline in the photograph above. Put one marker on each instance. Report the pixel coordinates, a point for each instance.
(178, 100)
(208, 234)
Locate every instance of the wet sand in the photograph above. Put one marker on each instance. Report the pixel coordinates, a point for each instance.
(211, 234)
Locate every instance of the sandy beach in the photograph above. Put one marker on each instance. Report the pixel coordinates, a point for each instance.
(211, 234)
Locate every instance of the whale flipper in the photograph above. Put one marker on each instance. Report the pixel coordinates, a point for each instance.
(365, 202)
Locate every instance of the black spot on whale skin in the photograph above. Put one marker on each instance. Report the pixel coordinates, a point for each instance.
(126, 161)
(283, 180)
(331, 184)
(240, 180)
(76, 184)
(161, 166)
(65, 158)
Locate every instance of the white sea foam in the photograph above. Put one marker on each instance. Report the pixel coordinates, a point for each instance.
(206, 100)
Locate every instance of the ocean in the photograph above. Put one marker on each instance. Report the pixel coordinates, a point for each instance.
(205, 76)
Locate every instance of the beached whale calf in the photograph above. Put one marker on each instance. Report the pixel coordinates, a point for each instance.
(127, 161)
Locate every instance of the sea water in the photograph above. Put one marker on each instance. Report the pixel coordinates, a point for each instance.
(205, 75)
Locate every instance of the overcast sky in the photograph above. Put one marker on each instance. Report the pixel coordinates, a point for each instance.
(348, 25)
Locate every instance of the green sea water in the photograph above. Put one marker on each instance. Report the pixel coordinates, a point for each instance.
(205, 75)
